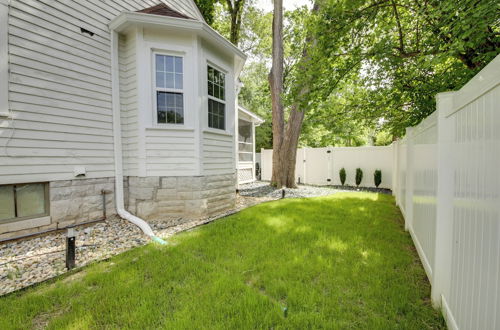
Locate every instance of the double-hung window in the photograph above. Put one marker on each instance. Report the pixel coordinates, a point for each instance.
(216, 99)
(169, 89)
(23, 201)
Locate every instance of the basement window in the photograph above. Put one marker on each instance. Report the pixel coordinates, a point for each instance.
(23, 201)
(169, 83)
(216, 99)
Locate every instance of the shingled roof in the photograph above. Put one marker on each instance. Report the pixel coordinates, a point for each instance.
(164, 10)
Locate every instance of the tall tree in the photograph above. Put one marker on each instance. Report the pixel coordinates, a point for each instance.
(235, 8)
(276, 84)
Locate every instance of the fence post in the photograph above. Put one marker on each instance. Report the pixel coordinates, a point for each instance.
(444, 202)
(409, 179)
(395, 171)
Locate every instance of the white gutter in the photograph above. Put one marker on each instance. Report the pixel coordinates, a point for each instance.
(117, 139)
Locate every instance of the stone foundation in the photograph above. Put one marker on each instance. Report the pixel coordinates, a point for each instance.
(170, 198)
(71, 202)
(166, 199)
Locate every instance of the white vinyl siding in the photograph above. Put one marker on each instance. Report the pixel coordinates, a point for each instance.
(170, 152)
(218, 153)
(128, 100)
(60, 89)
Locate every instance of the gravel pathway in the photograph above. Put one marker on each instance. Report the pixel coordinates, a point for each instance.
(33, 260)
(264, 190)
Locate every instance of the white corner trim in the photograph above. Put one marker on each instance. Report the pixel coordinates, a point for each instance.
(5, 2)
(4, 57)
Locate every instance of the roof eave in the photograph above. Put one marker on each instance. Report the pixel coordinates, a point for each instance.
(125, 19)
(257, 119)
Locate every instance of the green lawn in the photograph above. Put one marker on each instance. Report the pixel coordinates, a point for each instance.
(336, 262)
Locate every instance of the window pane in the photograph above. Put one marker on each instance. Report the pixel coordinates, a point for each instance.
(216, 114)
(160, 79)
(178, 64)
(160, 63)
(179, 102)
(210, 74)
(216, 91)
(162, 117)
(169, 63)
(179, 116)
(170, 100)
(30, 199)
(170, 108)
(178, 81)
(171, 116)
(7, 202)
(210, 89)
(169, 80)
(221, 94)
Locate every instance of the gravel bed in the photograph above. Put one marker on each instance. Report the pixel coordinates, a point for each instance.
(32, 260)
(264, 190)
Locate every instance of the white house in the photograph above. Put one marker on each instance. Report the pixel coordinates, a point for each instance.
(247, 121)
(120, 106)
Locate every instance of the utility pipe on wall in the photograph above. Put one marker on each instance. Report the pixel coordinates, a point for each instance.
(117, 139)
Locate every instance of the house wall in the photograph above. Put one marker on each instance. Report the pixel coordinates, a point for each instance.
(60, 116)
(217, 147)
(128, 102)
(60, 89)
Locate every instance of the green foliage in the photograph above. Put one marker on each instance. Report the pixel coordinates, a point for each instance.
(207, 9)
(388, 59)
(241, 271)
(377, 177)
(359, 176)
(342, 175)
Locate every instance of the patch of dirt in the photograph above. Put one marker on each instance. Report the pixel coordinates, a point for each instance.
(41, 321)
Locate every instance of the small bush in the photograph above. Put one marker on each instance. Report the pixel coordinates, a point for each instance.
(377, 177)
(359, 176)
(342, 175)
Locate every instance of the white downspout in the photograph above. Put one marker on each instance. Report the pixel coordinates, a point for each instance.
(117, 139)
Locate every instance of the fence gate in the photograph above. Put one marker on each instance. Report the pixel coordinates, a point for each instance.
(313, 169)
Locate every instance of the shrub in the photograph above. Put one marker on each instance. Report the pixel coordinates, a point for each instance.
(342, 175)
(377, 177)
(359, 176)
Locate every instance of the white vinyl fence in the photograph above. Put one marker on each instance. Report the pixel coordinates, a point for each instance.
(447, 184)
(321, 166)
(445, 175)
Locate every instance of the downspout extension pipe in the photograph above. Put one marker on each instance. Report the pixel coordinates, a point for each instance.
(117, 139)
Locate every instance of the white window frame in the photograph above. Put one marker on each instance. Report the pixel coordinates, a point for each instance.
(156, 89)
(213, 98)
(46, 201)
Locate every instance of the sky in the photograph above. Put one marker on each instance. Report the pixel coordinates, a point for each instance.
(267, 5)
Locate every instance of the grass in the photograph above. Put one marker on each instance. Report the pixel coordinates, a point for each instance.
(337, 262)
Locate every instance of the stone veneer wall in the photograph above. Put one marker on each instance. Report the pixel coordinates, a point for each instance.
(171, 198)
(71, 202)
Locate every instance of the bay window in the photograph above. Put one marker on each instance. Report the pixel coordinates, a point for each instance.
(216, 99)
(169, 86)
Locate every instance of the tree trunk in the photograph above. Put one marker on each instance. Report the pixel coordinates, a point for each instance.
(285, 142)
(235, 10)
(276, 84)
